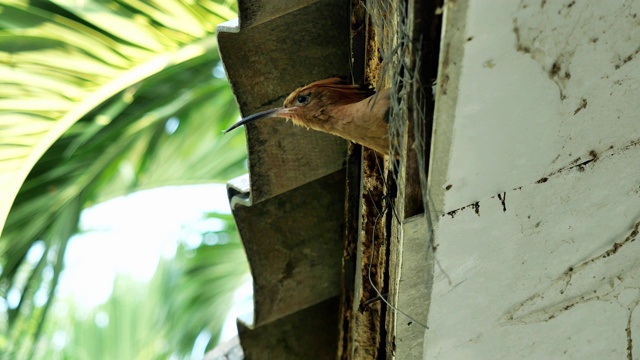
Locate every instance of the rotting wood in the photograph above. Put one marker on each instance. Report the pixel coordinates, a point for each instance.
(415, 67)
(368, 327)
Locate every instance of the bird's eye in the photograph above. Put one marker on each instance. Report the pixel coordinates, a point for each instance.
(303, 99)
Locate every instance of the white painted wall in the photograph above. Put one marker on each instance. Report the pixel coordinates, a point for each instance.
(547, 267)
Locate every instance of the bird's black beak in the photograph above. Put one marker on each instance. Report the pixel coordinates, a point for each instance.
(277, 112)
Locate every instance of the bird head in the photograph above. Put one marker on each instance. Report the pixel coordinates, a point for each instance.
(311, 105)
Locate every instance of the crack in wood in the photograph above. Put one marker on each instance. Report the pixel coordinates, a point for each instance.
(629, 338)
(582, 106)
(576, 164)
(628, 329)
(475, 206)
(575, 286)
(503, 201)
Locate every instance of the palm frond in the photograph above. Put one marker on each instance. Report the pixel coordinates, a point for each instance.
(202, 291)
(187, 295)
(88, 87)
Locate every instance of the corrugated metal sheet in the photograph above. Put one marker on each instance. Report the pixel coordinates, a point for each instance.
(290, 211)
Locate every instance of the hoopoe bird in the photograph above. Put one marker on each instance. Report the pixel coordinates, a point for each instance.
(337, 107)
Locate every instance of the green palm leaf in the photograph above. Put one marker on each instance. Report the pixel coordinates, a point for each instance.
(158, 319)
(204, 280)
(88, 87)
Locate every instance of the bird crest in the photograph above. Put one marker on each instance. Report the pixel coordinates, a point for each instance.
(336, 91)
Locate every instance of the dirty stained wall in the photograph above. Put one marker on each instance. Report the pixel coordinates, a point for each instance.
(535, 180)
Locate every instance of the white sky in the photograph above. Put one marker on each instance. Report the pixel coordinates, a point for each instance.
(130, 234)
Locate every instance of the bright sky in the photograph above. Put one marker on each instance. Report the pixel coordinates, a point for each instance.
(130, 234)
